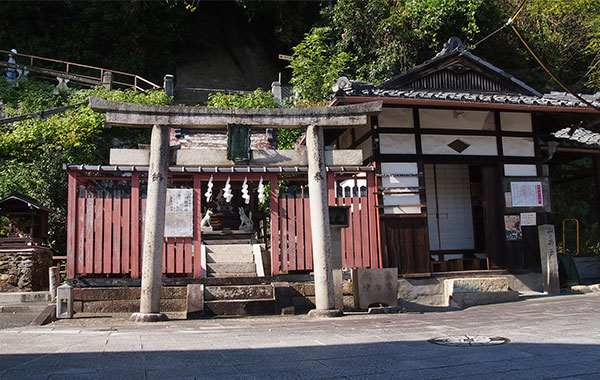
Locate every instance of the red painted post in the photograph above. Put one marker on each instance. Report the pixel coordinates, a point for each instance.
(375, 246)
(80, 250)
(135, 225)
(170, 243)
(89, 230)
(364, 233)
(197, 263)
(275, 263)
(126, 233)
(98, 236)
(188, 255)
(301, 262)
(179, 255)
(307, 234)
(116, 234)
(291, 235)
(71, 223)
(107, 227)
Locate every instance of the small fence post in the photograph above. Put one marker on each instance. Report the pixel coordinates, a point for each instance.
(107, 80)
(169, 85)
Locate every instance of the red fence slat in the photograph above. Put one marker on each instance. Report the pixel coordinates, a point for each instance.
(307, 235)
(126, 231)
(188, 244)
(80, 248)
(98, 223)
(116, 234)
(301, 253)
(135, 225)
(291, 227)
(89, 231)
(197, 262)
(274, 219)
(71, 223)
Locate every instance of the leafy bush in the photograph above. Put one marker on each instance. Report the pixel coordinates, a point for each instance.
(33, 151)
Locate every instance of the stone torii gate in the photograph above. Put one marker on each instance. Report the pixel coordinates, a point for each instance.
(162, 118)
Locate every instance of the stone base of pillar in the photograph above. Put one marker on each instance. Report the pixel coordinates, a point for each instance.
(148, 317)
(327, 313)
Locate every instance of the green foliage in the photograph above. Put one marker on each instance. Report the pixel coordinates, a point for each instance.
(257, 99)
(575, 199)
(373, 40)
(33, 151)
(316, 66)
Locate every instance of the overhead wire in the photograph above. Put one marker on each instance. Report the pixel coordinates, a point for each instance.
(510, 23)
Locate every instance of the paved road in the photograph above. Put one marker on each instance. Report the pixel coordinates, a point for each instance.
(551, 337)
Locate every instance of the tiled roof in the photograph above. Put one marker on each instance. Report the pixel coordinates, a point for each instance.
(580, 136)
(553, 99)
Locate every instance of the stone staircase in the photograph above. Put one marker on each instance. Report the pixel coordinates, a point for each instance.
(231, 255)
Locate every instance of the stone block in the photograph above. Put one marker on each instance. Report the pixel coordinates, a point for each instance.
(549, 258)
(283, 297)
(237, 292)
(477, 284)
(588, 267)
(304, 288)
(195, 301)
(464, 300)
(421, 292)
(375, 287)
(136, 157)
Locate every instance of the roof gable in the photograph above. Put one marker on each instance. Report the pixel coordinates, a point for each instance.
(456, 69)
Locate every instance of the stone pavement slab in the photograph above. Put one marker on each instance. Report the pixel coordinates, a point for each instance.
(550, 337)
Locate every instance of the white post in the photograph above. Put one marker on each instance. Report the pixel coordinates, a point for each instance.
(154, 230)
(319, 225)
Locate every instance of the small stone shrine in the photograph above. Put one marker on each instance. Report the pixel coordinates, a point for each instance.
(24, 259)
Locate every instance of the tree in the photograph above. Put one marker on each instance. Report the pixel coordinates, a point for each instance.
(377, 39)
(33, 151)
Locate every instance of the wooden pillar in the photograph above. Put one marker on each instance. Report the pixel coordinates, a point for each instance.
(154, 227)
(197, 227)
(274, 218)
(319, 224)
(71, 224)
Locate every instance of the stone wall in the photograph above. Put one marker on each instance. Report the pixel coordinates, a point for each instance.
(24, 269)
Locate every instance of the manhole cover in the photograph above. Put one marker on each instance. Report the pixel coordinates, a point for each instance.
(469, 340)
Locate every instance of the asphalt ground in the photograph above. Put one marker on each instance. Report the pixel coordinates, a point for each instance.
(549, 338)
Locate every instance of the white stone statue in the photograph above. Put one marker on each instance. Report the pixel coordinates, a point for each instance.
(261, 191)
(205, 222)
(245, 194)
(209, 191)
(246, 220)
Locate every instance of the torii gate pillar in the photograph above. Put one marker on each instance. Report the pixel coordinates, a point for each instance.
(319, 225)
(154, 230)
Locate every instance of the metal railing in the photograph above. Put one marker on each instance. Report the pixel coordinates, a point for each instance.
(73, 71)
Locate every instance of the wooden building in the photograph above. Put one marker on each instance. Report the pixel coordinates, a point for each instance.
(461, 150)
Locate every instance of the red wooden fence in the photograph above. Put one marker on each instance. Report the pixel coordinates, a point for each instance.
(360, 247)
(105, 228)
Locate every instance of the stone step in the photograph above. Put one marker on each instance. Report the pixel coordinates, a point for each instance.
(241, 307)
(23, 297)
(226, 241)
(232, 235)
(232, 267)
(238, 292)
(464, 299)
(229, 253)
(231, 275)
(477, 284)
(26, 307)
